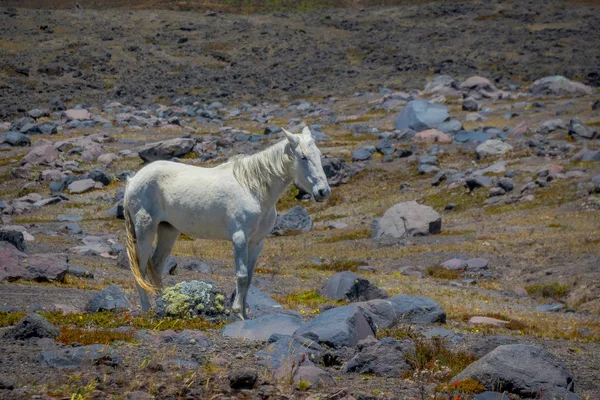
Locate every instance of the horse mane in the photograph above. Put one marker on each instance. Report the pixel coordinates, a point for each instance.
(256, 172)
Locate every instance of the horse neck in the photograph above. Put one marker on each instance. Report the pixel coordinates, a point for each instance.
(279, 183)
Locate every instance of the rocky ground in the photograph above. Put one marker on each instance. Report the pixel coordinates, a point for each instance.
(457, 253)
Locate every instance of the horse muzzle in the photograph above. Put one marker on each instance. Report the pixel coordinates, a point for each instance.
(321, 193)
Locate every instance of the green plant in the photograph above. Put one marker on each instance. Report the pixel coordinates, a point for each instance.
(303, 385)
(553, 290)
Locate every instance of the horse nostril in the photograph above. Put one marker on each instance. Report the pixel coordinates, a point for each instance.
(322, 192)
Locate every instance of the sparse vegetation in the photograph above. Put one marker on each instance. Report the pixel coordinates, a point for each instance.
(554, 290)
(438, 272)
(84, 337)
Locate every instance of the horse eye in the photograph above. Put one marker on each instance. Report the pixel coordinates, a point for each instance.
(303, 157)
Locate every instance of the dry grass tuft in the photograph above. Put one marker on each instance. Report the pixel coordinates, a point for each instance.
(84, 337)
(552, 290)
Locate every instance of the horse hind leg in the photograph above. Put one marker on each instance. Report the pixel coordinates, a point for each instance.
(166, 237)
(145, 230)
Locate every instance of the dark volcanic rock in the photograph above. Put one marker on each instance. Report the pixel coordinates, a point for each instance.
(520, 369)
(77, 357)
(349, 286)
(15, 139)
(386, 357)
(109, 299)
(338, 171)
(13, 237)
(245, 378)
(32, 326)
(284, 350)
(166, 150)
(296, 219)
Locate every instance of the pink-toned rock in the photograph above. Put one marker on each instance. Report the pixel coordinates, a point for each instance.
(42, 142)
(52, 175)
(432, 136)
(108, 158)
(171, 127)
(487, 321)
(4, 126)
(454, 264)
(45, 154)
(38, 267)
(521, 292)
(520, 129)
(529, 197)
(78, 115)
(555, 169)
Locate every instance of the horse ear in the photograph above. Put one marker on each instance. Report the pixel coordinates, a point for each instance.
(306, 132)
(293, 139)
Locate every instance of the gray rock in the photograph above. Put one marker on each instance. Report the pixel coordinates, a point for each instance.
(492, 147)
(198, 266)
(408, 219)
(444, 334)
(477, 182)
(579, 130)
(471, 137)
(13, 237)
(559, 86)
(98, 175)
(425, 169)
(454, 264)
(32, 326)
(338, 171)
(386, 357)
(477, 264)
(261, 304)
(82, 186)
(385, 147)
(550, 307)
(77, 357)
(283, 350)
(263, 327)
(185, 338)
(337, 327)
(363, 153)
(15, 139)
(80, 272)
(506, 184)
(520, 369)
(296, 219)
(71, 228)
(45, 128)
(245, 378)
(479, 87)
(551, 126)
(417, 310)
(470, 104)
(18, 124)
(314, 376)
(351, 287)
(109, 299)
(166, 150)
(450, 127)
(193, 298)
(420, 115)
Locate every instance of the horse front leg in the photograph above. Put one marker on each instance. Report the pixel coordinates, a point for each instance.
(240, 253)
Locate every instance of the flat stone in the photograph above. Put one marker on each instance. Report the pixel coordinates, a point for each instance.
(77, 357)
(82, 186)
(263, 327)
(487, 321)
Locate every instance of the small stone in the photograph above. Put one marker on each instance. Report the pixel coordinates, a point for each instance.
(487, 321)
(32, 326)
(245, 378)
(470, 104)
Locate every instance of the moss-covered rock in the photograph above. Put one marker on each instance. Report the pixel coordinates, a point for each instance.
(192, 299)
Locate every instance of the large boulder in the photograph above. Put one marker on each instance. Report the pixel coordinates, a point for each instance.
(17, 265)
(420, 115)
(13, 237)
(386, 357)
(263, 327)
(32, 326)
(78, 357)
(559, 86)
(493, 147)
(443, 85)
(521, 369)
(338, 327)
(408, 219)
(166, 149)
(109, 299)
(296, 219)
(193, 298)
(351, 287)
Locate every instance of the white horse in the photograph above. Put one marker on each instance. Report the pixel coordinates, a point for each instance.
(234, 201)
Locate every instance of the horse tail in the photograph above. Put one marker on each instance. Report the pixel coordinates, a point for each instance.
(153, 285)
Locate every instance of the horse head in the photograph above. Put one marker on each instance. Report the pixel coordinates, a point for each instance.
(309, 174)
